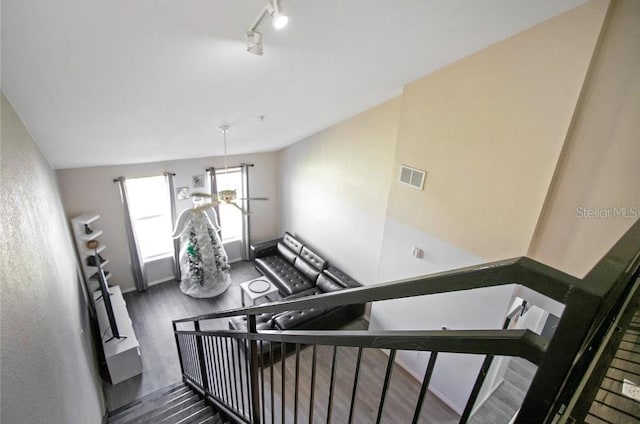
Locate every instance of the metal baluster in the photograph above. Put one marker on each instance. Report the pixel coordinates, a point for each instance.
(355, 385)
(331, 384)
(282, 398)
(201, 362)
(235, 376)
(468, 408)
(237, 342)
(175, 329)
(220, 362)
(385, 386)
(425, 385)
(261, 358)
(313, 383)
(228, 372)
(271, 377)
(295, 401)
(254, 389)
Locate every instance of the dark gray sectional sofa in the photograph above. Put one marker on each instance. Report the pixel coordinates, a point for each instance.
(297, 271)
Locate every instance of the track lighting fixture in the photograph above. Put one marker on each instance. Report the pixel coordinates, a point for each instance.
(278, 19)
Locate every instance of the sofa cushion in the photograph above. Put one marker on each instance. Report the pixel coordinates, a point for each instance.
(292, 319)
(281, 273)
(291, 242)
(342, 278)
(263, 322)
(313, 258)
(309, 292)
(287, 253)
(306, 269)
(326, 284)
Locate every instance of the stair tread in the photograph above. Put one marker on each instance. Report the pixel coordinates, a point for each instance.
(150, 398)
(197, 416)
(179, 415)
(155, 406)
(155, 416)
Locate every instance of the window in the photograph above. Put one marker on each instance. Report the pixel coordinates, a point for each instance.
(230, 216)
(151, 214)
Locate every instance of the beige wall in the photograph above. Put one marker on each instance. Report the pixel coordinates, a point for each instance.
(48, 369)
(599, 167)
(489, 130)
(92, 190)
(335, 185)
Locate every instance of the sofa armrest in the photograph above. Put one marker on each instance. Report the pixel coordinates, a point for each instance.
(266, 248)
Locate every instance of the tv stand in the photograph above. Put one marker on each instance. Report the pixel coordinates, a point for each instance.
(122, 354)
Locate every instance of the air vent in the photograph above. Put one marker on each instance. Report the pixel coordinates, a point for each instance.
(413, 177)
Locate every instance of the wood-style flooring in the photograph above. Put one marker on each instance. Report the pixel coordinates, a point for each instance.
(152, 312)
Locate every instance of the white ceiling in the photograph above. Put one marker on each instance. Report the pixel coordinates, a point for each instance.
(124, 81)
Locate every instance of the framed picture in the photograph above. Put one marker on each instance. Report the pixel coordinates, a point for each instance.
(198, 181)
(182, 193)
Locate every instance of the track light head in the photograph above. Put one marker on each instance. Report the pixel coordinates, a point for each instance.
(254, 42)
(278, 19)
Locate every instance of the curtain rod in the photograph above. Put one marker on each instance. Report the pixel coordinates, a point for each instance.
(115, 180)
(237, 166)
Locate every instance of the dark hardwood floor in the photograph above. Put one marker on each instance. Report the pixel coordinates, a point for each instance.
(152, 312)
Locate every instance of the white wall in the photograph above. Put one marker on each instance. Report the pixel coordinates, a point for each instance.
(92, 190)
(48, 372)
(454, 375)
(334, 189)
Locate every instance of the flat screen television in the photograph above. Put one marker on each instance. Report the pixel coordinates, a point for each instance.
(106, 298)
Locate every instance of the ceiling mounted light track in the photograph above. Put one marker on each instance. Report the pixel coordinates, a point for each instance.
(278, 19)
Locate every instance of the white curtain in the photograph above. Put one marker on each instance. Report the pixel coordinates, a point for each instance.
(246, 224)
(213, 190)
(137, 266)
(174, 215)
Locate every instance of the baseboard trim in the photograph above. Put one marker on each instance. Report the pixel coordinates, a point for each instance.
(439, 395)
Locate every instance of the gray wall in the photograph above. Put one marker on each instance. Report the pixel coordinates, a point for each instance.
(48, 372)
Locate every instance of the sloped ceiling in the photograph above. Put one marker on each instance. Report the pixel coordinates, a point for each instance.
(126, 81)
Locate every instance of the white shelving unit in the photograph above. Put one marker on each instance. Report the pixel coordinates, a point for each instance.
(122, 355)
(78, 223)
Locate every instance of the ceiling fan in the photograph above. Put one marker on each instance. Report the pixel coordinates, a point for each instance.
(226, 196)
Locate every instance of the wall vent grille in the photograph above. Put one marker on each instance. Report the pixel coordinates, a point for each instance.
(412, 176)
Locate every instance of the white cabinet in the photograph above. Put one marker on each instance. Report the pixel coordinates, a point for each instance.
(122, 355)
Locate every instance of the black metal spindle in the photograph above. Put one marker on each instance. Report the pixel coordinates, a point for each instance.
(175, 329)
(331, 384)
(220, 370)
(312, 389)
(261, 359)
(271, 378)
(477, 386)
(355, 385)
(235, 375)
(282, 379)
(385, 385)
(207, 360)
(201, 362)
(228, 371)
(295, 397)
(254, 389)
(247, 354)
(425, 385)
(237, 342)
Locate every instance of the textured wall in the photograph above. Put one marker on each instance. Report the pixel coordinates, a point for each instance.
(48, 373)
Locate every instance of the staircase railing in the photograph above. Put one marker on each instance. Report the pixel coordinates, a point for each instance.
(230, 367)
